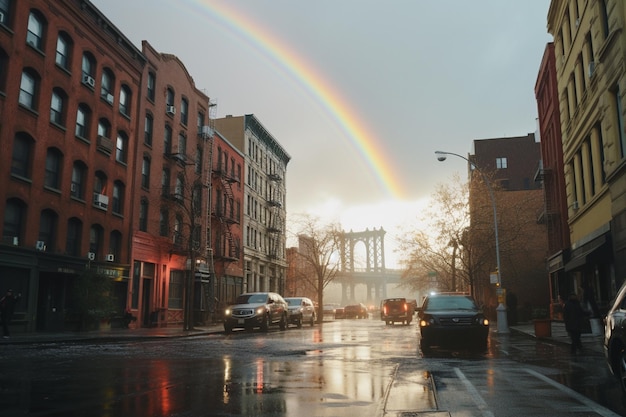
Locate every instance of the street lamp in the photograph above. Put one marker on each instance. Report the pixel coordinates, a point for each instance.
(503, 326)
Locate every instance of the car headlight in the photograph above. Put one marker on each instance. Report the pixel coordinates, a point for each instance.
(227, 312)
(482, 321)
(260, 311)
(425, 323)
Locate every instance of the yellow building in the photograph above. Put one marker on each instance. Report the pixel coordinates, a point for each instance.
(590, 49)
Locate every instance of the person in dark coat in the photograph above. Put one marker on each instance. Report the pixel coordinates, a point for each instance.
(7, 306)
(574, 317)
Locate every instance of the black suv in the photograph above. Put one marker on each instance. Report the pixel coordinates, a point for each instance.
(615, 337)
(452, 320)
(257, 309)
(396, 309)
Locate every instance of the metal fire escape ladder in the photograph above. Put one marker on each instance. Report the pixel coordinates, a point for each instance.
(225, 219)
(208, 289)
(275, 223)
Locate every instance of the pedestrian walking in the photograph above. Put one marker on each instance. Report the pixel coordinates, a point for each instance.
(574, 317)
(7, 307)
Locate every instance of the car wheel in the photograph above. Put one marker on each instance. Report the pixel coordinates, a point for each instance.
(265, 325)
(621, 369)
(313, 319)
(299, 323)
(283, 322)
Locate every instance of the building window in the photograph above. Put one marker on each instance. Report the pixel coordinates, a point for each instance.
(53, 168)
(88, 68)
(148, 128)
(104, 128)
(118, 198)
(28, 89)
(13, 221)
(169, 97)
(617, 99)
(72, 240)
(175, 299)
(143, 215)
(145, 172)
(107, 85)
(184, 111)
(177, 237)
(151, 85)
(200, 122)
(5, 6)
(164, 223)
(82, 121)
(78, 180)
(4, 64)
(57, 107)
(167, 140)
(121, 148)
(95, 238)
(182, 145)
(501, 163)
(64, 48)
(165, 182)
(125, 99)
(47, 229)
(20, 162)
(115, 244)
(34, 34)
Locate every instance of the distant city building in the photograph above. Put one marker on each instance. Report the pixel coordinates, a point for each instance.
(265, 261)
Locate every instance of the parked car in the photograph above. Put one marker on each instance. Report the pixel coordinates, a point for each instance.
(355, 311)
(257, 309)
(329, 309)
(301, 309)
(452, 320)
(396, 309)
(615, 337)
(339, 313)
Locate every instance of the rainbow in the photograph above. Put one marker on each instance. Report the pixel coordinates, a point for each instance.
(326, 95)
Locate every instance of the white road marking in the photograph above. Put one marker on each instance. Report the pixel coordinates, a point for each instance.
(595, 407)
(476, 397)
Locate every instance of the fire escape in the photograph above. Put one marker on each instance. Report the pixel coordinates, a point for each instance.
(228, 247)
(276, 221)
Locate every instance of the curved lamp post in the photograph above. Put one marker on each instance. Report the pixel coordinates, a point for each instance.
(503, 326)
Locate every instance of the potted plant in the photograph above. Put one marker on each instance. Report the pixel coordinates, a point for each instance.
(542, 322)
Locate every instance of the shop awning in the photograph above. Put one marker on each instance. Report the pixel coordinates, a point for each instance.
(583, 258)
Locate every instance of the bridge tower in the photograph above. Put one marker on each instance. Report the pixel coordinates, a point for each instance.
(374, 241)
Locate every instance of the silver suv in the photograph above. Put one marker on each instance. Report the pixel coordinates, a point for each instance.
(257, 309)
(301, 310)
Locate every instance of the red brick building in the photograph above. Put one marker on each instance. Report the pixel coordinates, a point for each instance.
(552, 174)
(69, 93)
(172, 178)
(226, 221)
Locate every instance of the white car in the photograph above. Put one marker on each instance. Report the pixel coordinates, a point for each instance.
(301, 310)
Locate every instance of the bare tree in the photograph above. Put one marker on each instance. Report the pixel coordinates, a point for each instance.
(317, 260)
(436, 256)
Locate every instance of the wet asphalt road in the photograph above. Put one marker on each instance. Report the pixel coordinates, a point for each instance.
(341, 368)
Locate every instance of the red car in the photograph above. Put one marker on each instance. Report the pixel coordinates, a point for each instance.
(355, 311)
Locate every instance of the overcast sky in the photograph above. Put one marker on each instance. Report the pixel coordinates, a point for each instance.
(360, 93)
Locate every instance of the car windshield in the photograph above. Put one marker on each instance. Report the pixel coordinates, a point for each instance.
(293, 301)
(251, 299)
(450, 303)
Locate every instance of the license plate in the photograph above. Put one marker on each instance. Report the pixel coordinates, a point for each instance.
(240, 321)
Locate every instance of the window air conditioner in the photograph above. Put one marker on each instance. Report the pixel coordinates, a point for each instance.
(101, 200)
(170, 109)
(91, 256)
(88, 79)
(207, 131)
(40, 245)
(1, 17)
(110, 257)
(74, 187)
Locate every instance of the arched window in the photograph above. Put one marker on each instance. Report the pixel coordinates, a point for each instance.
(151, 85)
(118, 197)
(54, 160)
(29, 85)
(73, 237)
(125, 100)
(35, 32)
(167, 140)
(115, 244)
(57, 106)
(64, 51)
(184, 111)
(13, 221)
(148, 128)
(143, 215)
(88, 69)
(145, 172)
(95, 238)
(47, 229)
(83, 116)
(121, 147)
(22, 155)
(77, 186)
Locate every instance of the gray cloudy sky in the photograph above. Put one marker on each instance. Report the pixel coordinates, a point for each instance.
(418, 75)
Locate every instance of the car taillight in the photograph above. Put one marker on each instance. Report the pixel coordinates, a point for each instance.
(406, 307)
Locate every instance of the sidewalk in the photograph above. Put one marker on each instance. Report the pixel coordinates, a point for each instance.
(591, 342)
(111, 335)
